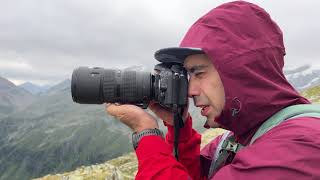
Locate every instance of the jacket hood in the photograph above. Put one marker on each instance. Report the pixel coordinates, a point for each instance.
(246, 47)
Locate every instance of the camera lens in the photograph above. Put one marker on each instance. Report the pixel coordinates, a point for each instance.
(99, 85)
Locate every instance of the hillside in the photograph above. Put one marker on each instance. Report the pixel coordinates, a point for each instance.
(33, 88)
(54, 134)
(13, 97)
(121, 168)
(313, 94)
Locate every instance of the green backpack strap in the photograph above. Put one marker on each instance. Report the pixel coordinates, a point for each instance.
(225, 150)
(301, 110)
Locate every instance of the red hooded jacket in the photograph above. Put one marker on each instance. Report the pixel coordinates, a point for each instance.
(246, 47)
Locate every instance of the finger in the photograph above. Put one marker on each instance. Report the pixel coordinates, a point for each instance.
(108, 108)
(114, 110)
(107, 105)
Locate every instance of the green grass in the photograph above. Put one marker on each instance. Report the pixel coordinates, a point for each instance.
(312, 94)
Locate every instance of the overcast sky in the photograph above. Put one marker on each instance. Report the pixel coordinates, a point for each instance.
(42, 41)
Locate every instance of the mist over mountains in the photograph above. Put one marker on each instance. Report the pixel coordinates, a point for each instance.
(42, 131)
(303, 77)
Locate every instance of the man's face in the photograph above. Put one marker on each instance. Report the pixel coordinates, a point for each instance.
(205, 87)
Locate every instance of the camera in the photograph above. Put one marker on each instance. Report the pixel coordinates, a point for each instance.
(168, 86)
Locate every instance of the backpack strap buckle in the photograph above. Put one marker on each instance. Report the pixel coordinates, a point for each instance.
(230, 145)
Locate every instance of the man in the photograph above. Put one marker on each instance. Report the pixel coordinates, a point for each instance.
(235, 66)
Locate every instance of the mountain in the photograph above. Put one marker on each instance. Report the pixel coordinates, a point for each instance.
(303, 77)
(5, 84)
(13, 97)
(63, 86)
(54, 134)
(33, 88)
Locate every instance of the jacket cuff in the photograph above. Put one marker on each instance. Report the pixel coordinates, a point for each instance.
(151, 145)
(185, 133)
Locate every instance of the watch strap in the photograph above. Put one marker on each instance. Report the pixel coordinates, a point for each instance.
(136, 137)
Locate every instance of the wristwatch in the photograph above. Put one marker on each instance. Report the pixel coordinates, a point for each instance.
(136, 137)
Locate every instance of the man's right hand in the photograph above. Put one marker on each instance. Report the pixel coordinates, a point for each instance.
(166, 114)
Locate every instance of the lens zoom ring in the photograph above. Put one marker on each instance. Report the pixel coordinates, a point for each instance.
(129, 86)
(109, 84)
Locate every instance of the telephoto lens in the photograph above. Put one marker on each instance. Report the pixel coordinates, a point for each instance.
(98, 85)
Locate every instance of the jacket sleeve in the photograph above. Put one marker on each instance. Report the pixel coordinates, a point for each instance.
(156, 160)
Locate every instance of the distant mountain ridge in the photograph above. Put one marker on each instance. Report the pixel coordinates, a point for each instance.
(13, 97)
(62, 86)
(5, 84)
(303, 77)
(34, 89)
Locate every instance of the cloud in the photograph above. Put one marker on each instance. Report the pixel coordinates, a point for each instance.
(54, 37)
(14, 66)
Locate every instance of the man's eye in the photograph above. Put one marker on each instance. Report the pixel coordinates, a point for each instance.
(199, 73)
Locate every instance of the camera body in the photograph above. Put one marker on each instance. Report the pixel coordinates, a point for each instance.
(168, 86)
(171, 85)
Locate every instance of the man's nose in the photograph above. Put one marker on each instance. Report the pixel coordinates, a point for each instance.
(193, 89)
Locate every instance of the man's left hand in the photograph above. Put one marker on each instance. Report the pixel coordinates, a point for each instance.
(133, 116)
